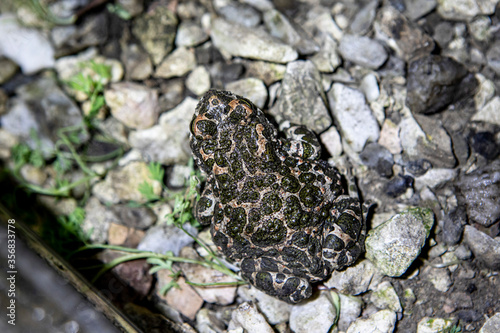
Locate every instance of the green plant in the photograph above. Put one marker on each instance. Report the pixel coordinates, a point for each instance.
(119, 11)
(41, 10)
(156, 172)
(92, 86)
(453, 329)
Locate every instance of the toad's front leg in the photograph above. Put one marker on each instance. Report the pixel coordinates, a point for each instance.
(264, 275)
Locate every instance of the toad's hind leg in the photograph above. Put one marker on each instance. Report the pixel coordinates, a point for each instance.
(204, 208)
(343, 233)
(286, 287)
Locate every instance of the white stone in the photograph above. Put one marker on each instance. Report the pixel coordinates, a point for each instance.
(325, 23)
(133, 104)
(177, 63)
(411, 134)
(355, 279)
(492, 325)
(389, 137)
(252, 88)
(350, 309)
(369, 86)
(249, 318)
(198, 81)
(433, 178)
(235, 40)
(167, 142)
(490, 113)
(380, 322)
(485, 92)
(439, 277)
(384, 297)
(393, 245)
(434, 325)
(465, 9)
(275, 310)
(357, 123)
(26, 47)
(332, 141)
(362, 51)
(317, 315)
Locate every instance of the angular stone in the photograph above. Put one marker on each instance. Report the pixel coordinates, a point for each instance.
(385, 297)
(135, 105)
(122, 184)
(236, 40)
(357, 123)
(252, 88)
(362, 51)
(289, 32)
(489, 113)
(406, 39)
(485, 248)
(178, 63)
(41, 106)
(382, 321)
(480, 191)
(317, 315)
(302, 100)
(396, 243)
(156, 30)
(432, 325)
(458, 10)
(434, 82)
(168, 141)
(247, 318)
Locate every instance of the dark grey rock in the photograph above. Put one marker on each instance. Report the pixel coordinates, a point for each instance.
(480, 193)
(485, 144)
(418, 167)
(171, 94)
(378, 157)
(453, 226)
(137, 63)
(405, 38)
(91, 30)
(469, 315)
(398, 185)
(434, 82)
(436, 147)
(141, 217)
(460, 146)
(222, 73)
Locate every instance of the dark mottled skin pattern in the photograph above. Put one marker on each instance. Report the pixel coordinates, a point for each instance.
(273, 207)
